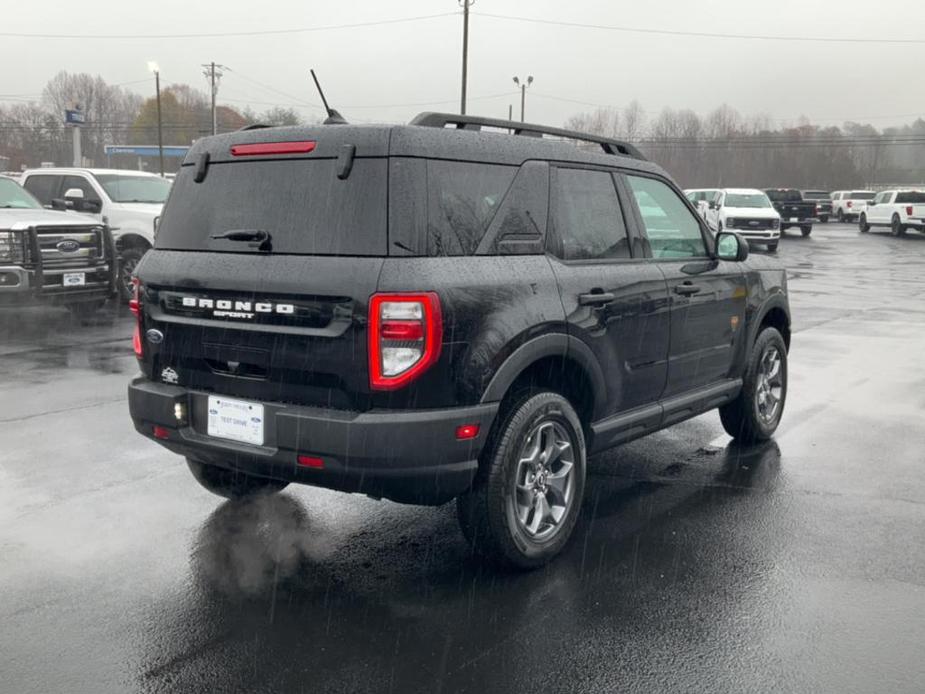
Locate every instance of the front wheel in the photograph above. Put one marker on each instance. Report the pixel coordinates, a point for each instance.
(806, 229)
(525, 501)
(863, 226)
(772, 247)
(755, 414)
(232, 484)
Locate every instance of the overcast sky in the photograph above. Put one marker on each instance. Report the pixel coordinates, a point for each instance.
(385, 72)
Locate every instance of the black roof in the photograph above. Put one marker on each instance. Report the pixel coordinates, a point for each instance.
(440, 136)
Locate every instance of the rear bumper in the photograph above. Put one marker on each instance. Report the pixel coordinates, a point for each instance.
(19, 286)
(407, 456)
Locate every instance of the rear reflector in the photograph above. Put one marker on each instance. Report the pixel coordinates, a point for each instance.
(467, 431)
(161, 432)
(259, 148)
(311, 461)
(136, 342)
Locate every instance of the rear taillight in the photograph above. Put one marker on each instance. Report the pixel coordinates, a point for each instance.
(909, 210)
(848, 204)
(405, 337)
(134, 305)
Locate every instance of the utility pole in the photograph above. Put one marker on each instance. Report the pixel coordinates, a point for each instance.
(152, 66)
(523, 93)
(213, 73)
(465, 4)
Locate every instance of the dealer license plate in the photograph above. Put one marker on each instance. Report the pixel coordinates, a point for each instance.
(236, 420)
(74, 279)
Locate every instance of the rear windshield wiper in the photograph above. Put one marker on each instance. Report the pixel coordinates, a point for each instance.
(255, 238)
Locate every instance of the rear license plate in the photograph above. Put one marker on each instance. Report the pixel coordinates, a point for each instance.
(74, 279)
(794, 219)
(236, 420)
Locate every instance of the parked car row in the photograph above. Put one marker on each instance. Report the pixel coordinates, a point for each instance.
(74, 236)
(748, 210)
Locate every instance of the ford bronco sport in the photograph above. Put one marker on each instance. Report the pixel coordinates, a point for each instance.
(437, 311)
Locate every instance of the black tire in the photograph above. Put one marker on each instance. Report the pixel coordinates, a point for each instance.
(772, 247)
(841, 217)
(232, 484)
(86, 311)
(897, 228)
(488, 514)
(806, 229)
(743, 418)
(128, 261)
(824, 219)
(863, 226)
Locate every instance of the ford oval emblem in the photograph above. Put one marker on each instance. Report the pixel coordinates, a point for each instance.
(155, 337)
(68, 246)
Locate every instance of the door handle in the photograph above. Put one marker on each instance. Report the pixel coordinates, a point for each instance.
(595, 298)
(687, 289)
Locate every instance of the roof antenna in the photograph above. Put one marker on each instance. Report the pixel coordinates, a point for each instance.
(334, 118)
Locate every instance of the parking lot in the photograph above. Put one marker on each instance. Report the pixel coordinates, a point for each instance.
(796, 565)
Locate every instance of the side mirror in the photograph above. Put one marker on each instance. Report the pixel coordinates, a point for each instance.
(73, 194)
(870, 203)
(59, 204)
(712, 204)
(731, 246)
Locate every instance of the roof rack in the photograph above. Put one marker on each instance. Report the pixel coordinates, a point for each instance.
(442, 120)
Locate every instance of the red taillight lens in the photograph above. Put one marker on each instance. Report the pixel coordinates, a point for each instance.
(848, 204)
(467, 431)
(909, 210)
(263, 148)
(161, 432)
(405, 337)
(134, 305)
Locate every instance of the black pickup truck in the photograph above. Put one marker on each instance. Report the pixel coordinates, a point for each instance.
(793, 209)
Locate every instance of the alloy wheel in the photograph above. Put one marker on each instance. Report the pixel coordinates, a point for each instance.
(770, 390)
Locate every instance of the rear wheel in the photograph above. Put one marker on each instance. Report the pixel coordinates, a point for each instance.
(232, 484)
(824, 219)
(754, 415)
(806, 229)
(525, 501)
(897, 228)
(863, 226)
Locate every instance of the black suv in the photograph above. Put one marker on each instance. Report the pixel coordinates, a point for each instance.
(437, 311)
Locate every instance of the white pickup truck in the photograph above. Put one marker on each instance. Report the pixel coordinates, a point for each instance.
(129, 201)
(897, 210)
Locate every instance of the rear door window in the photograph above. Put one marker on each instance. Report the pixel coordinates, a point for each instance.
(43, 186)
(673, 231)
(587, 222)
(302, 204)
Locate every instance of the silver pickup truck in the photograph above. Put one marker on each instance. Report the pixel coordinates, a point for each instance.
(49, 257)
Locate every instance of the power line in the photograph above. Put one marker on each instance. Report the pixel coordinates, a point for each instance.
(698, 34)
(221, 34)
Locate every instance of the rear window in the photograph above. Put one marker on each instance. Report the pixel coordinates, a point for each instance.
(784, 195)
(911, 197)
(301, 203)
(861, 195)
(815, 195)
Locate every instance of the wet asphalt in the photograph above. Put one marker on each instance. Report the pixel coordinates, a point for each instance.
(697, 566)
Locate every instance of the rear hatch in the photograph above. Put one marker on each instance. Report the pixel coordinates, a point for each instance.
(275, 309)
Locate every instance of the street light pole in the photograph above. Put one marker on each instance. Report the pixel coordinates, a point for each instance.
(466, 4)
(160, 135)
(523, 93)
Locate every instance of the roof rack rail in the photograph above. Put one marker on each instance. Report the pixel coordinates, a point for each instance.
(442, 120)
